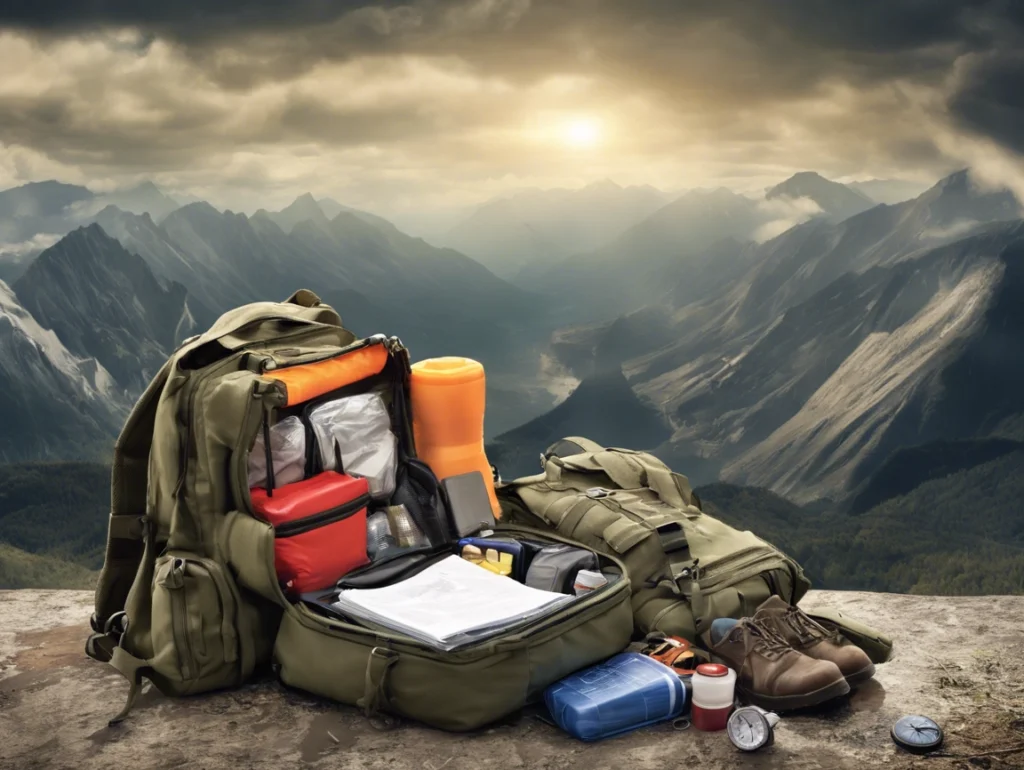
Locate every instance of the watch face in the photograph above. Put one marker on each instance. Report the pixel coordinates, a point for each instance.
(748, 729)
(917, 734)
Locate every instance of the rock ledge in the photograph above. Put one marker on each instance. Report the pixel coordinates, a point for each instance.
(959, 660)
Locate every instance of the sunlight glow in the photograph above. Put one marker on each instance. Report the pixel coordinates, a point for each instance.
(584, 132)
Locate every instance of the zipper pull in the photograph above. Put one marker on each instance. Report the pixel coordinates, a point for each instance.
(175, 579)
(257, 363)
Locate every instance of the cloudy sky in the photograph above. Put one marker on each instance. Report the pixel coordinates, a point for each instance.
(433, 104)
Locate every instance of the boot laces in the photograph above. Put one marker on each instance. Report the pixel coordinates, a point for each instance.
(807, 628)
(765, 640)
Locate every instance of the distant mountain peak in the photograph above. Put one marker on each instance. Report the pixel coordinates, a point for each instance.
(87, 244)
(958, 197)
(146, 186)
(808, 176)
(602, 185)
(836, 200)
(89, 231)
(961, 178)
(50, 184)
(303, 209)
(106, 303)
(201, 208)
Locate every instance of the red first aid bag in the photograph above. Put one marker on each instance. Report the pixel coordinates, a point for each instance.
(319, 528)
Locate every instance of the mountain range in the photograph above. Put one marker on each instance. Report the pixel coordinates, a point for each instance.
(121, 292)
(827, 370)
(799, 363)
(840, 343)
(53, 208)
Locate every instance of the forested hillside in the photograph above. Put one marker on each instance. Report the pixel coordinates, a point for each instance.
(960, 535)
(53, 524)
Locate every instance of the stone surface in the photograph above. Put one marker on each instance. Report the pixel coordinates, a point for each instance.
(957, 660)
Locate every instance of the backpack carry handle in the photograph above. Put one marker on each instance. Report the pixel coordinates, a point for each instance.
(304, 298)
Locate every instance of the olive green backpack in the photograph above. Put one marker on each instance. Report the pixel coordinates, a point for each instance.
(188, 596)
(168, 605)
(686, 568)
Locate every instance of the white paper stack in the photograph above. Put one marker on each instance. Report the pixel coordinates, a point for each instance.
(450, 604)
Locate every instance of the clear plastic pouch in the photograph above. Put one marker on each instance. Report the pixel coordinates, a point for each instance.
(359, 428)
(288, 450)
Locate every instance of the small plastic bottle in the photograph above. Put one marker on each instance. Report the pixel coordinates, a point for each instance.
(378, 535)
(714, 688)
(404, 529)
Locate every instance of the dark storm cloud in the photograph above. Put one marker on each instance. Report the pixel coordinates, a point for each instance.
(735, 51)
(741, 48)
(989, 93)
(770, 83)
(183, 17)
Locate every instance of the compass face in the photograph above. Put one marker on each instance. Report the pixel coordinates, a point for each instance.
(917, 734)
(748, 729)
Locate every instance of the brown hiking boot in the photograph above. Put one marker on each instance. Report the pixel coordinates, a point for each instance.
(814, 640)
(770, 673)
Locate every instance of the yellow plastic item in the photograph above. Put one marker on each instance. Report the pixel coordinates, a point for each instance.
(448, 399)
(499, 563)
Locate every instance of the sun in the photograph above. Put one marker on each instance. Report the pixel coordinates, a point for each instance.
(584, 132)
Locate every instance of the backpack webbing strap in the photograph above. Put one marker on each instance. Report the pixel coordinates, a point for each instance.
(641, 470)
(133, 669)
(375, 695)
(627, 470)
(128, 488)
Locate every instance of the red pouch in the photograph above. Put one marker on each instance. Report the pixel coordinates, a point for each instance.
(319, 528)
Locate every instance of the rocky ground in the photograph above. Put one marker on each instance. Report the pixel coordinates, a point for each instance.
(960, 661)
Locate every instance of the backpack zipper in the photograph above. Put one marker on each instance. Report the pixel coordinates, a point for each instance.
(179, 488)
(584, 608)
(178, 600)
(300, 526)
(364, 343)
(747, 558)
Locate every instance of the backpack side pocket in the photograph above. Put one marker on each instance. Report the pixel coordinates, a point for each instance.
(200, 626)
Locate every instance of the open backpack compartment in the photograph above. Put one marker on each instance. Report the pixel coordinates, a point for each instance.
(270, 445)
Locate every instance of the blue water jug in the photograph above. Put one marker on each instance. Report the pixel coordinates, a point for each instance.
(624, 693)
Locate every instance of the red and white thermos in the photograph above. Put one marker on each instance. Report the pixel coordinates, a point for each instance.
(713, 696)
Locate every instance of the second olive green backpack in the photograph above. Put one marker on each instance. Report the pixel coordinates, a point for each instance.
(686, 568)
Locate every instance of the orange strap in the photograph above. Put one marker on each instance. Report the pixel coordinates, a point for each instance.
(307, 381)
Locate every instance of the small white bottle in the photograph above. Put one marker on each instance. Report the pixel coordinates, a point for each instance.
(714, 687)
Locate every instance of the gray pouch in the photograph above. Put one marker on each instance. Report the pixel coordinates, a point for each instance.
(554, 567)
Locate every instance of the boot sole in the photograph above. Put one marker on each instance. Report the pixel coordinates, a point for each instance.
(792, 702)
(861, 676)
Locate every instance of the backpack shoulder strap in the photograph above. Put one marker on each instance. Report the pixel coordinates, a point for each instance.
(572, 445)
(128, 485)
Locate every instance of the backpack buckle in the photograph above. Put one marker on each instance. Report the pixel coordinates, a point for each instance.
(116, 624)
(596, 493)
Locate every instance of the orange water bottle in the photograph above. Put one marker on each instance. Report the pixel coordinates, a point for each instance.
(448, 398)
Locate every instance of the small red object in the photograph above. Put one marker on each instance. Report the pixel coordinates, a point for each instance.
(709, 720)
(319, 528)
(712, 669)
